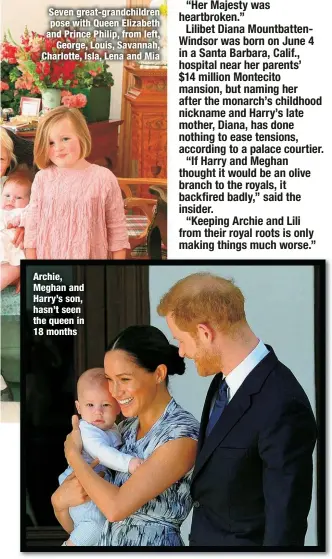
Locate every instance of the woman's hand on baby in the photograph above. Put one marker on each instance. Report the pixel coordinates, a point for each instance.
(73, 442)
(71, 492)
(19, 236)
(134, 464)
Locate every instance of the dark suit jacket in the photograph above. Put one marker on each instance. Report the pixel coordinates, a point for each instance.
(252, 481)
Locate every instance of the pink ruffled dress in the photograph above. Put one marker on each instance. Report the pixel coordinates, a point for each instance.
(76, 214)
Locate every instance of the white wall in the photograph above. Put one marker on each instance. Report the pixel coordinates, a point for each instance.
(280, 310)
(16, 14)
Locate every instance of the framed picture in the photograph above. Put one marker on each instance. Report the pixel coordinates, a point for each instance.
(30, 106)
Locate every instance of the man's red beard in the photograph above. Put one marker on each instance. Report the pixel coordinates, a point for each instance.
(207, 364)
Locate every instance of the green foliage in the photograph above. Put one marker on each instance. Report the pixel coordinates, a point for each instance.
(14, 74)
(90, 74)
(86, 78)
(103, 79)
(11, 98)
(6, 69)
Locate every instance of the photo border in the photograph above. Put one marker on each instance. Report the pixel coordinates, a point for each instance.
(32, 101)
(38, 536)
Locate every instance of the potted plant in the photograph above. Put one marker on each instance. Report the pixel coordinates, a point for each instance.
(95, 81)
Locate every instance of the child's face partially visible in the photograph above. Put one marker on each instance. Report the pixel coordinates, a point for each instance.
(96, 406)
(64, 146)
(4, 160)
(14, 196)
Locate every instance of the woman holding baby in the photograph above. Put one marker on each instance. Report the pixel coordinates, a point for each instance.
(148, 507)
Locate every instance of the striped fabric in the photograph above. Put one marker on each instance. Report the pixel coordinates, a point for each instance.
(157, 522)
(136, 224)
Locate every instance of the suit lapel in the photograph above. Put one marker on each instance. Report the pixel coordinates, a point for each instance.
(230, 416)
(233, 412)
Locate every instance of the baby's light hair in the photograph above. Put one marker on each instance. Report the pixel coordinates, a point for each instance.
(21, 176)
(91, 377)
(41, 146)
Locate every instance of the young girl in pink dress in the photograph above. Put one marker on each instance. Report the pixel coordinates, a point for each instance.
(76, 208)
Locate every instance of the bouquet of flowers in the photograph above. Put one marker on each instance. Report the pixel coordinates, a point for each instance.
(45, 71)
(11, 79)
(33, 66)
(77, 101)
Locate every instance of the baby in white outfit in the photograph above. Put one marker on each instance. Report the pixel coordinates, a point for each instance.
(101, 439)
(15, 198)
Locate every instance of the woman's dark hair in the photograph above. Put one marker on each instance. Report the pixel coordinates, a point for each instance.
(149, 347)
(23, 150)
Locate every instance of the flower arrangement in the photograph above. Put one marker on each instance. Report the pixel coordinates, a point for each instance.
(12, 86)
(31, 67)
(31, 70)
(76, 101)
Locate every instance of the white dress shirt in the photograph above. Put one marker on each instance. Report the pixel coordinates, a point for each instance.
(235, 378)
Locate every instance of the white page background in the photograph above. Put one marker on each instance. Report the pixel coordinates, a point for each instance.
(316, 209)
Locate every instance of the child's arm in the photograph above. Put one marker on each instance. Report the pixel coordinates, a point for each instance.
(24, 215)
(30, 254)
(117, 233)
(119, 254)
(12, 222)
(95, 443)
(17, 220)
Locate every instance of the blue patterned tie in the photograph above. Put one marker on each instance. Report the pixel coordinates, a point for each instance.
(219, 406)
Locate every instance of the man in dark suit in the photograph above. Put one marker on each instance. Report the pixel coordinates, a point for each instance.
(252, 481)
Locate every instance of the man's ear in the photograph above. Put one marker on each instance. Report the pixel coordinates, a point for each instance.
(206, 333)
(77, 404)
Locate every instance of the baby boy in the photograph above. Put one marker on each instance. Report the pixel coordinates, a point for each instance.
(100, 437)
(15, 197)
